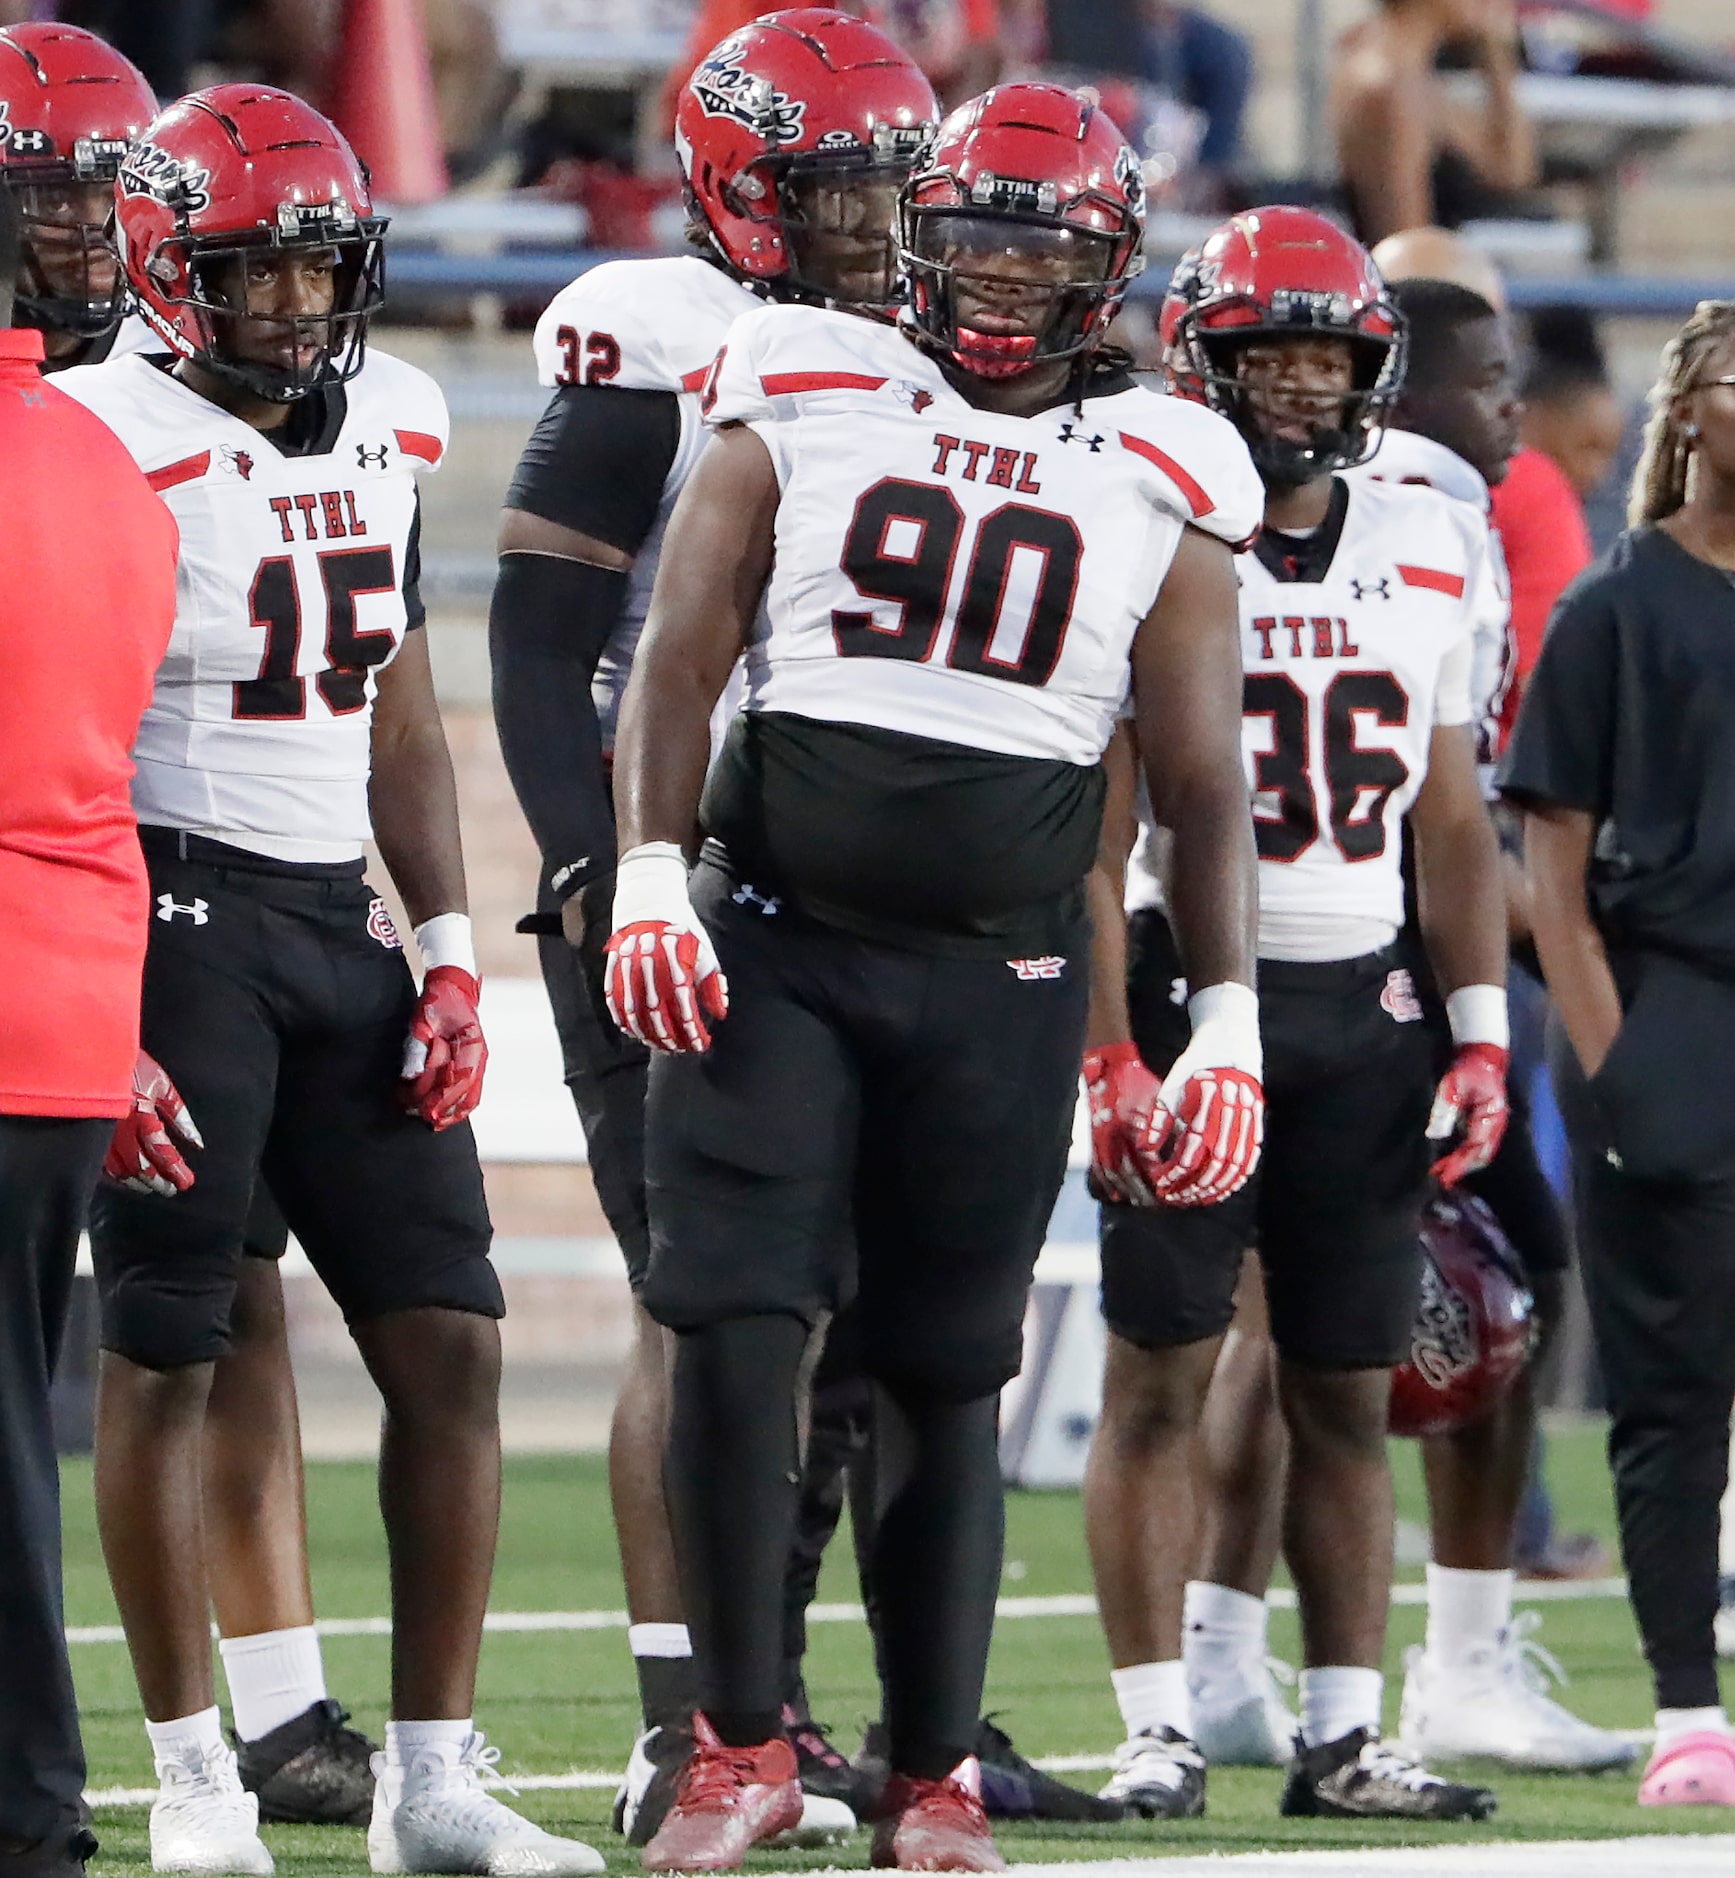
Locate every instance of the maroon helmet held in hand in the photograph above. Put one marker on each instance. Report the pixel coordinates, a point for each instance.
(1475, 1327)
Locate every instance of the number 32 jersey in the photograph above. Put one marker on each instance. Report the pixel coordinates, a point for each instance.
(1357, 643)
(298, 578)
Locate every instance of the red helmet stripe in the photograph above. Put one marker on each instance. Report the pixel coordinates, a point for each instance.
(1197, 500)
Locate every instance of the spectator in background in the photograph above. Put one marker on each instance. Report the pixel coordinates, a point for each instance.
(1206, 66)
(1408, 153)
(85, 614)
(1571, 412)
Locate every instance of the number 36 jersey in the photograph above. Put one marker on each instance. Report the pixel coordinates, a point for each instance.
(1357, 643)
(298, 578)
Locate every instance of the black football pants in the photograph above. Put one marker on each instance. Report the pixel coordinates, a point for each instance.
(47, 1171)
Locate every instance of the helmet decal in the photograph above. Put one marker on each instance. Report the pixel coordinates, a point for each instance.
(150, 170)
(725, 88)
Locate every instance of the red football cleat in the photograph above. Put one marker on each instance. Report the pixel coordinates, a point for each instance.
(935, 1825)
(728, 1800)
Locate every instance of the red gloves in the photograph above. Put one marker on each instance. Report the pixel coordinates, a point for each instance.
(145, 1153)
(663, 978)
(445, 1054)
(1472, 1098)
(1123, 1096)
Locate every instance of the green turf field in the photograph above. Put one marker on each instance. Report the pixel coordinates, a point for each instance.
(554, 1701)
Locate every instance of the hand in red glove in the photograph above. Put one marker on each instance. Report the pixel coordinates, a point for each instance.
(1471, 1098)
(1122, 1094)
(1209, 1125)
(445, 1054)
(145, 1153)
(663, 977)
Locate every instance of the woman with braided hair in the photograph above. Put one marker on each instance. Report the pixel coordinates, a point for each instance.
(1623, 762)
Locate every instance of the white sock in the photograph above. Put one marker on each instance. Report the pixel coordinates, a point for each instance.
(1334, 1701)
(406, 1739)
(1466, 1611)
(659, 1640)
(1222, 1635)
(1673, 1722)
(1153, 1696)
(273, 1677)
(190, 1738)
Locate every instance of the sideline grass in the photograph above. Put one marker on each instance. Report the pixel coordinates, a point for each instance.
(556, 1701)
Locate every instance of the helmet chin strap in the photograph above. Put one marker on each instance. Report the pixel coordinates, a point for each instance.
(995, 355)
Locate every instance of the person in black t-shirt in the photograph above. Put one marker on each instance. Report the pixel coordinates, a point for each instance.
(1624, 765)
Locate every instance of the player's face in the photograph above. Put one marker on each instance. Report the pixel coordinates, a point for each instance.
(1473, 406)
(841, 230)
(1296, 388)
(68, 227)
(267, 292)
(1005, 273)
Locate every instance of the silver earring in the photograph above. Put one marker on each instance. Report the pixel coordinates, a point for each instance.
(1692, 430)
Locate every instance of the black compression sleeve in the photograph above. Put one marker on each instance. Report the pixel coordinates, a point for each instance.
(549, 621)
(597, 462)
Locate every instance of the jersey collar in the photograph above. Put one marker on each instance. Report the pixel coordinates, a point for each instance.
(1406, 456)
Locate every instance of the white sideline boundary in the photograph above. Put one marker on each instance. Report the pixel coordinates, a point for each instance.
(1071, 1604)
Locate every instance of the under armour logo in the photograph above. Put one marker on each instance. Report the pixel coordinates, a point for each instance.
(31, 395)
(1070, 433)
(199, 911)
(364, 456)
(745, 895)
(1371, 589)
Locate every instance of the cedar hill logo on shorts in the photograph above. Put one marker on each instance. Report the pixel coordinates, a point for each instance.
(381, 927)
(1031, 970)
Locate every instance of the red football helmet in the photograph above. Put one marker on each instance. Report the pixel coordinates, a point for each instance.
(1289, 273)
(1034, 199)
(1182, 290)
(1475, 1327)
(227, 179)
(70, 106)
(794, 136)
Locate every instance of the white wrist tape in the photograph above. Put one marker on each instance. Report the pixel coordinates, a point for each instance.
(650, 883)
(1230, 1013)
(448, 939)
(1477, 1014)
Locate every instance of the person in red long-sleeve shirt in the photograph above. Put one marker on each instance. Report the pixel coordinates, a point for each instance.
(1542, 527)
(85, 614)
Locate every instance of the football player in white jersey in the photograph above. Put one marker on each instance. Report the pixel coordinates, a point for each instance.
(794, 137)
(972, 536)
(293, 716)
(1357, 609)
(74, 106)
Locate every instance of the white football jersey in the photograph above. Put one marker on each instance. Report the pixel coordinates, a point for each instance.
(296, 582)
(1348, 671)
(952, 573)
(1406, 456)
(641, 326)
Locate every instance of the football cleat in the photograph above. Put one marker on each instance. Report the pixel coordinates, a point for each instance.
(1696, 1769)
(435, 1816)
(1358, 1777)
(729, 1800)
(313, 1771)
(825, 1772)
(1244, 1722)
(1014, 1788)
(204, 1820)
(1158, 1774)
(934, 1825)
(1495, 1706)
(647, 1789)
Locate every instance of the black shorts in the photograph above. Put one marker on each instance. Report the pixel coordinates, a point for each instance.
(868, 1122)
(1334, 1208)
(605, 1070)
(282, 1018)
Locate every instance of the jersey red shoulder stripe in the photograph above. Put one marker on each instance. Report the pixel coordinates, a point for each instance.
(418, 443)
(184, 471)
(783, 384)
(1432, 577)
(693, 380)
(1190, 487)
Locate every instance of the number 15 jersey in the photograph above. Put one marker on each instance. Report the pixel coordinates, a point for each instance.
(298, 578)
(1356, 643)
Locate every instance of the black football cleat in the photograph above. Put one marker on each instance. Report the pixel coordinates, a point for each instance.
(1012, 1787)
(825, 1771)
(648, 1788)
(1159, 1774)
(313, 1771)
(1358, 1777)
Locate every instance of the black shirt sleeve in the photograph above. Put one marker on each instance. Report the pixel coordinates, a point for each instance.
(1562, 748)
(597, 462)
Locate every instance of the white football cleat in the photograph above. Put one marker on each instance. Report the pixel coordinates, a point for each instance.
(1158, 1774)
(204, 1820)
(1244, 1722)
(823, 1822)
(1495, 1706)
(436, 1816)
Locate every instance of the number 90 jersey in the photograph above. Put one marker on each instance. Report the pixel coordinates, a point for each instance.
(1356, 643)
(298, 578)
(951, 573)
